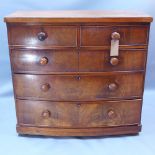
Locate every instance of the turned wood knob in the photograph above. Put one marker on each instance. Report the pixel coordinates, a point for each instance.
(45, 87)
(111, 114)
(115, 35)
(43, 61)
(42, 36)
(114, 61)
(112, 86)
(46, 114)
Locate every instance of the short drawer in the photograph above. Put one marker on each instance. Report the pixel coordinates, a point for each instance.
(44, 61)
(78, 114)
(98, 61)
(82, 87)
(35, 36)
(101, 35)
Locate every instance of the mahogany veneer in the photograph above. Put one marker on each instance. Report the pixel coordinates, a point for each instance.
(78, 73)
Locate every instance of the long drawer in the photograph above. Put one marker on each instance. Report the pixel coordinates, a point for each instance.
(78, 114)
(78, 87)
(72, 61)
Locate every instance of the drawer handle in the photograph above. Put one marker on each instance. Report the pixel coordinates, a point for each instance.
(42, 36)
(43, 61)
(112, 86)
(45, 87)
(115, 36)
(114, 50)
(114, 61)
(46, 114)
(111, 114)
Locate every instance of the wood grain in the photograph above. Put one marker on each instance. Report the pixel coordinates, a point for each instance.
(65, 81)
(120, 130)
(101, 35)
(56, 35)
(99, 61)
(80, 87)
(78, 114)
(58, 60)
(28, 61)
(77, 16)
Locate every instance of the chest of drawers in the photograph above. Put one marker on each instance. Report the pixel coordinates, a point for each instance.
(78, 73)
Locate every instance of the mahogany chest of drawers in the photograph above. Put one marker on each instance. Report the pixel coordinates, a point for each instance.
(78, 73)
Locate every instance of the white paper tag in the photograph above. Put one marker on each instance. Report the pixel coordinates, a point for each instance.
(114, 51)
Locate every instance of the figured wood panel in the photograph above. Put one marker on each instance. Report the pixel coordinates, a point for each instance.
(55, 35)
(56, 61)
(82, 87)
(67, 61)
(101, 35)
(98, 61)
(78, 114)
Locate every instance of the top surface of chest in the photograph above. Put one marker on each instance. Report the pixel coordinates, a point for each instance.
(77, 16)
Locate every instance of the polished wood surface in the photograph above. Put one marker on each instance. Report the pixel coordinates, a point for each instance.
(101, 35)
(106, 131)
(67, 35)
(55, 35)
(76, 60)
(77, 16)
(78, 73)
(78, 114)
(82, 87)
(99, 61)
(45, 60)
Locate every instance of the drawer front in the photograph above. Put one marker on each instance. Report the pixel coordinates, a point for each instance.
(78, 114)
(44, 61)
(43, 35)
(101, 35)
(98, 61)
(67, 61)
(84, 87)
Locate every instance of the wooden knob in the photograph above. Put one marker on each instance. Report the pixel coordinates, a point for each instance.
(45, 87)
(114, 61)
(115, 35)
(112, 86)
(43, 61)
(42, 36)
(46, 114)
(111, 114)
